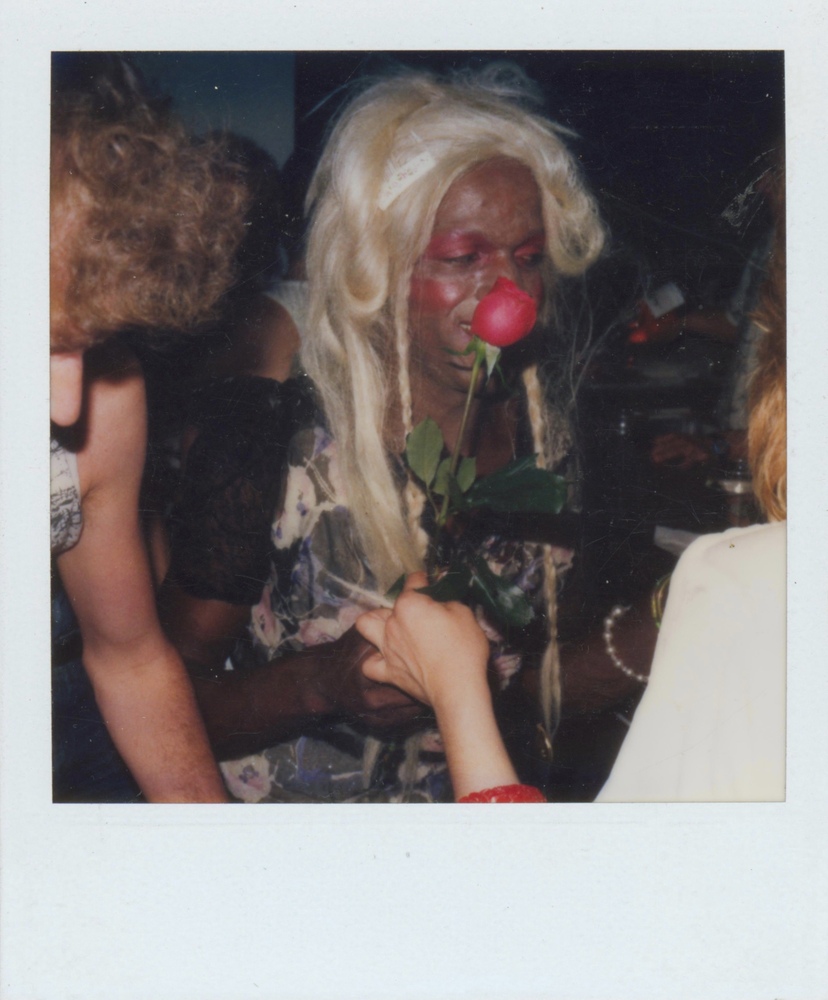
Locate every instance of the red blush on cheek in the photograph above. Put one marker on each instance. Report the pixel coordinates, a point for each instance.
(435, 294)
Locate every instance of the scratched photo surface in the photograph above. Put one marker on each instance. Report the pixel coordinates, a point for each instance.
(644, 361)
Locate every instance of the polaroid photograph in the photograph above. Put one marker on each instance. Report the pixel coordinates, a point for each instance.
(421, 412)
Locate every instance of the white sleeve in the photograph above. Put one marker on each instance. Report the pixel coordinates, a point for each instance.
(711, 725)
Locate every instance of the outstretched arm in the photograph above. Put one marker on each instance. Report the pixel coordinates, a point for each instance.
(247, 710)
(438, 654)
(140, 683)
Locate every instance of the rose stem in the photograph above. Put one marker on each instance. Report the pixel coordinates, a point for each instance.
(479, 355)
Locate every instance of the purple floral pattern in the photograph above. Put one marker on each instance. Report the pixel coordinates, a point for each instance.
(318, 586)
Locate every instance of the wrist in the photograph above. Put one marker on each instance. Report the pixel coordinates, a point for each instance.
(477, 757)
(629, 636)
(309, 681)
(462, 703)
(505, 793)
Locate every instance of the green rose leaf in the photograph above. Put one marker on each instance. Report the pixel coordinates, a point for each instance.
(423, 448)
(456, 500)
(504, 601)
(441, 479)
(466, 473)
(452, 586)
(396, 588)
(444, 482)
(520, 487)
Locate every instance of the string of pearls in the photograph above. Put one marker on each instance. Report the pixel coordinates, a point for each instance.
(615, 615)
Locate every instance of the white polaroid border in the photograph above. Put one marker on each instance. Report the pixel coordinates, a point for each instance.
(570, 901)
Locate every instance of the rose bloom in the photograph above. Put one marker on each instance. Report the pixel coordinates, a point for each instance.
(504, 316)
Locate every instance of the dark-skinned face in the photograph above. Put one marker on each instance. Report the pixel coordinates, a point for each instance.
(489, 225)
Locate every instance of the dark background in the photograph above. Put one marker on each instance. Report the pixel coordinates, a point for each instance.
(667, 139)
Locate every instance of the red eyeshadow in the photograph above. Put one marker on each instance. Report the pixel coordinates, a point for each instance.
(455, 245)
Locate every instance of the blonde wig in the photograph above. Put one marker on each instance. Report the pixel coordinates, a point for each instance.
(395, 151)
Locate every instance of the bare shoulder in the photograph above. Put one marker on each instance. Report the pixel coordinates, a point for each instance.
(277, 337)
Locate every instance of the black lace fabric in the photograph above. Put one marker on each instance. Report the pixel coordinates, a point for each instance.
(231, 484)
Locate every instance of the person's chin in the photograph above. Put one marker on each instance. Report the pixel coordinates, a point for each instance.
(461, 380)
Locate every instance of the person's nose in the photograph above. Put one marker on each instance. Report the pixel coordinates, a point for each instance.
(502, 265)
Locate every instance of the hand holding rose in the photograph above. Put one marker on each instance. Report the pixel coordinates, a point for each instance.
(434, 652)
(341, 686)
(438, 654)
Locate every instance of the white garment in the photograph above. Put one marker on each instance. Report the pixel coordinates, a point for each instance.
(711, 724)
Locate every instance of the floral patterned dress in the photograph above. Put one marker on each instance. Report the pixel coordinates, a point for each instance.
(317, 586)
(65, 498)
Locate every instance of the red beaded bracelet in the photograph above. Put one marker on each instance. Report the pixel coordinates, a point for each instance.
(506, 793)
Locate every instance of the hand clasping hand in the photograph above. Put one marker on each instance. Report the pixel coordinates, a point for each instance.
(349, 691)
(433, 651)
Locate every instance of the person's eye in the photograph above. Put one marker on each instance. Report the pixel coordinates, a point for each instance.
(462, 259)
(530, 261)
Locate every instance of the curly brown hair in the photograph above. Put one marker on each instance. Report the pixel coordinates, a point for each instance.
(145, 219)
(767, 427)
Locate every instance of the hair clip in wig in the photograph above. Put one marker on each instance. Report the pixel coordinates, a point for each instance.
(402, 177)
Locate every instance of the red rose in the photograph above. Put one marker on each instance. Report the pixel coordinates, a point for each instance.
(505, 315)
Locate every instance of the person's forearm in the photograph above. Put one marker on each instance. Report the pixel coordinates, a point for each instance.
(245, 711)
(590, 680)
(477, 758)
(151, 713)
